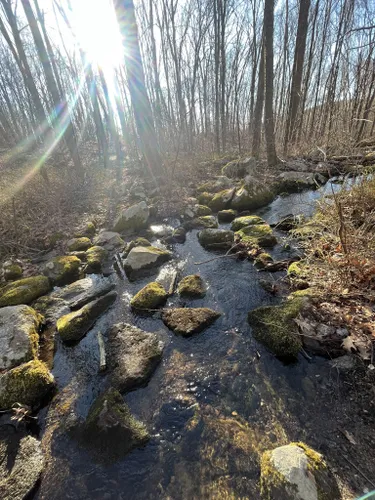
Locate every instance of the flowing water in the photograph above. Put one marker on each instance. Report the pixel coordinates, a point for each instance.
(214, 404)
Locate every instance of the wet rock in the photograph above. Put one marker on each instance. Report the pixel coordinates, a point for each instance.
(24, 291)
(187, 321)
(79, 244)
(221, 200)
(141, 259)
(73, 326)
(63, 270)
(216, 238)
(344, 364)
(291, 182)
(239, 168)
(111, 428)
(138, 242)
(95, 258)
(28, 384)
(19, 337)
(109, 240)
(179, 235)
(207, 221)
(262, 260)
(132, 218)
(251, 197)
(257, 235)
(192, 286)
(205, 198)
(248, 220)
(227, 215)
(51, 308)
(289, 222)
(12, 270)
(274, 327)
(133, 356)
(295, 471)
(81, 292)
(202, 210)
(21, 464)
(151, 296)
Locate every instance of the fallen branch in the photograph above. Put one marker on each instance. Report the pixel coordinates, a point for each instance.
(102, 354)
(359, 470)
(173, 283)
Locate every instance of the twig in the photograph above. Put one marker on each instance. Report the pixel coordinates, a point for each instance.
(102, 355)
(173, 283)
(359, 470)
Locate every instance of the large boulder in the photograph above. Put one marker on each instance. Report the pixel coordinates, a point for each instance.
(21, 464)
(239, 168)
(95, 258)
(132, 218)
(186, 321)
(28, 384)
(141, 259)
(110, 427)
(81, 292)
(192, 286)
(291, 182)
(133, 356)
(274, 326)
(63, 270)
(19, 337)
(216, 238)
(151, 296)
(251, 197)
(257, 235)
(24, 291)
(297, 472)
(247, 220)
(79, 244)
(222, 199)
(73, 326)
(109, 240)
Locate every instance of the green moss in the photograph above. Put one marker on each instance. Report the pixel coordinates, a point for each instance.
(151, 296)
(262, 260)
(307, 231)
(138, 242)
(28, 384)
(77, 244)
(245, 199)
(270, 478)
(226, 215)
(12, 272)
(248, 220)
(192, 286)
(24, 291)
(205, 198)
(90, 229)
(274, 327)
(95, 257)
(257, 234)
(63, 270)
(221, 200)
(202, 210)
(295, 270)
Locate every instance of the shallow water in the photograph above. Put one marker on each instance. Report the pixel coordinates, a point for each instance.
(216, 401)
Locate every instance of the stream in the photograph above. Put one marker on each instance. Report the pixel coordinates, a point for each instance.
(216, 401)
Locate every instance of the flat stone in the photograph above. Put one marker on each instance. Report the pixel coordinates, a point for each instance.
(132, 218)
(81, 292)
(186, 321)
(109, 240)
(21, 464)
(133, 356)
(18, 335)
(140, 259)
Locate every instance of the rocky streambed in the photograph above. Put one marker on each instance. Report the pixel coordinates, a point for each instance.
(151, 378)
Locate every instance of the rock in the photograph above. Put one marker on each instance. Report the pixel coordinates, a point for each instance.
(90, 229)
(187, 321)
(344, 364)
(81, 292)
(109, 240)
(111, 428)
(138, 242)
(192, 286)
(248, 220)
(215, 185)
(95, 258)
(226, 215)
(222, 199)
(28, 384)
(205, 198)
(51, 308)
(289, 222)
(291, 182)
(24, 291)
(295, 270)
(257, 235)
(251, 197)
(141, 259)
(216, 238)
(12, 271)
(274, 327)
(133, 356)
(208, 221)
(179, 235)
(262, 260)
(19, 337)
(63, 270)
(151, 296)
(295, 471)
(132, 218)
(202, 210)
(21, 464)
(239, 168)
(73, 326)
(79, 244)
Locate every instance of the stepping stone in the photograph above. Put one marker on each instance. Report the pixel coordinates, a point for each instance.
(186, 321)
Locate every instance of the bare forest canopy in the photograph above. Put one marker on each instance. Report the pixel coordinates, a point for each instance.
(192, 75)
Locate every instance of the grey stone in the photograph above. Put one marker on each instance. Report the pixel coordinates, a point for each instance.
(132, 218)
(109, 240)
(81, 292)
(141, 259)
(216, 238)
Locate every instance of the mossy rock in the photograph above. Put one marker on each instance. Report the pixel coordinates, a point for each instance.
(247, 220)
(227, 215)
(205, 198)
(141, 260)
(55, 238)
(73, 326)
(258, 234)
(179, 235)
(132, 218)
(78, 244)
(295, 270)
(216, 238)
(202, 210)
(24, 291)
(205, 222)
(247, 198)
(262, 260)
(296, 471)
(221, 200)
(192, 286)
(138, 242)
(306, 231)
(111, 428)
(95, 258)
(187, 321)
(63, 270)
(151, 296)
(274, 327)
(90, 229)
(12, 271)
(28, 384)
